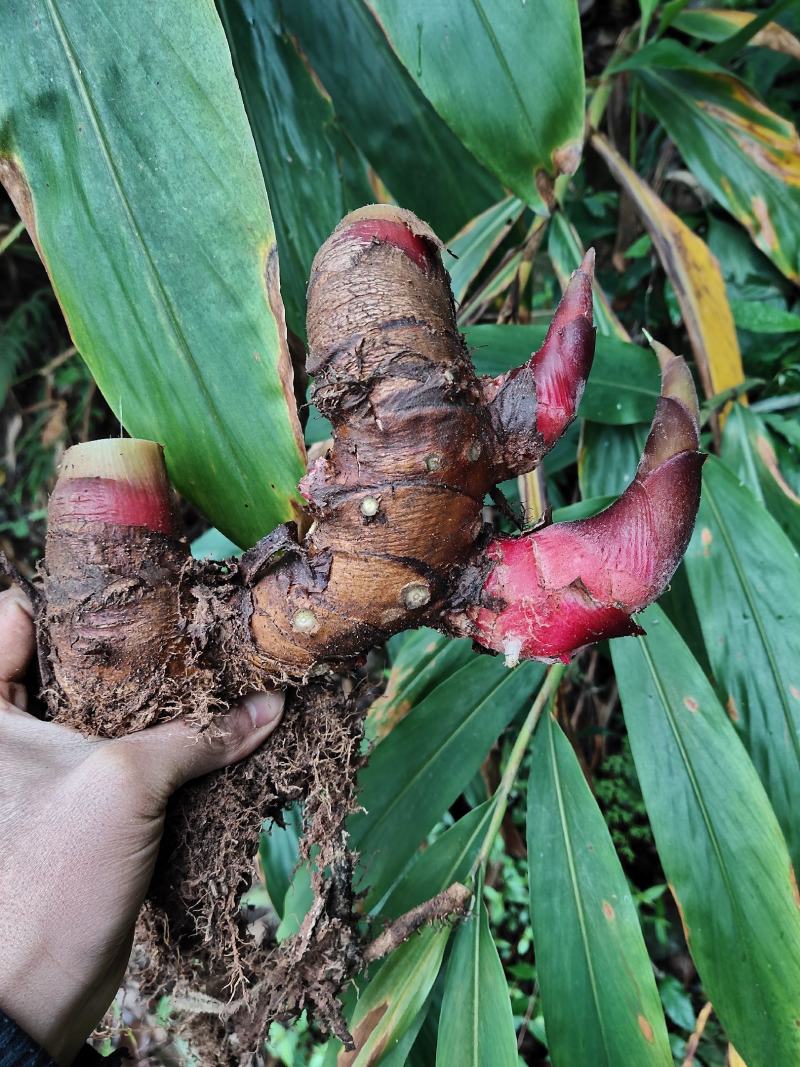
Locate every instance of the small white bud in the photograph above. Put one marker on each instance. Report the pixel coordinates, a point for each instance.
(305, 621)
(370, 506)
(416, 595)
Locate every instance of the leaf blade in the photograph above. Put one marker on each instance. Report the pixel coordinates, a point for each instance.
(428, 759)
(734, 886)
(151, 216)
(394, 997)
(695, 276)
(424, 165)
(309, 165)
(572, 859)
(476, 1026)
(532, 120)
(740, 563)
(747, 156)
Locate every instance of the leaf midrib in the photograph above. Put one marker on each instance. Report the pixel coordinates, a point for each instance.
(421, 769)
(575, 883)
(162, 298)
(752, 603)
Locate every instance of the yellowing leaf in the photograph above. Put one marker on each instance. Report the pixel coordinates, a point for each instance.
(734, 1059)
(747, 156)
(390, 1004)
(695, 276)
(717, 24)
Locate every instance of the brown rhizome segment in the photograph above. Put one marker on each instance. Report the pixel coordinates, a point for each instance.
(134, 631)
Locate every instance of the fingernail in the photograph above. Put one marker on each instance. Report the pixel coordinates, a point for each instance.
(264, 708)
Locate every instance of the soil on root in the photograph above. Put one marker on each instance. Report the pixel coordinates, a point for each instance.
(192, 939)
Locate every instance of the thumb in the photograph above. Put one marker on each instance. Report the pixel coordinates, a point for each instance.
(16, 633)
(177, 751)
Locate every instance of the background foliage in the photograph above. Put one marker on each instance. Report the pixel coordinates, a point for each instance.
(630, 854)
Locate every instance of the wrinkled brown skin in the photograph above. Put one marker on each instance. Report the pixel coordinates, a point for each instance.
(134, 631)
(417, 436)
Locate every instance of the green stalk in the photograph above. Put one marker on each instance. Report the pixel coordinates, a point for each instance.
(634, 130)
(11, 237)
(500, 800)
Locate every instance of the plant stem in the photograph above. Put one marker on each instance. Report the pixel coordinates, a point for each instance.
(634, 129)
(500, 800)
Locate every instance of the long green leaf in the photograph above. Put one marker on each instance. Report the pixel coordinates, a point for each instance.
(429, 759)
(423, 659)
(747, 156)
(279, 852)
(608, 457)
(449, 859)
(507, 78)
(719, 24)
(748, 450)
(475, 242)
(310, 166)
(601, 1005)
(124, 142)
(566, 252)
(476, 1027)
(393, 1000)
(719, 842)
(745, 579)
(623, 386)
(424, 165)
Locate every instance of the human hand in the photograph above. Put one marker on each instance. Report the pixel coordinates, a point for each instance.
(80, 824)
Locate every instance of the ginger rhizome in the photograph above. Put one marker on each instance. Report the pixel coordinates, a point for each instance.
(134, 631)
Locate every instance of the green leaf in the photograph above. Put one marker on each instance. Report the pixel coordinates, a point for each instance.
(601, 1005)
(310, 166)
(566, 251)
(417, 772)
(677, 1002)
(393, 1000)
(124, 124)
(507, 79)
(623, 386)
(748, 450)
(422, 660)
(719, 842)
(424, 165)
(666, 54)
(449, 859)
(647, 7)
(500, 279)
(720, 25)
(608, 457)
(279, 852)
(298, 898)
(745, 579)
(764, 318)
(747, 156)
(476, 1027)
(475, 242)
(582, 509)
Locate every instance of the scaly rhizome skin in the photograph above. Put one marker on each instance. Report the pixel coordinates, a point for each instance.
(133, 631)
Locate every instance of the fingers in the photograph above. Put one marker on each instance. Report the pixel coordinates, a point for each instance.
(16, 635)
(16, 696)
(176, 751)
